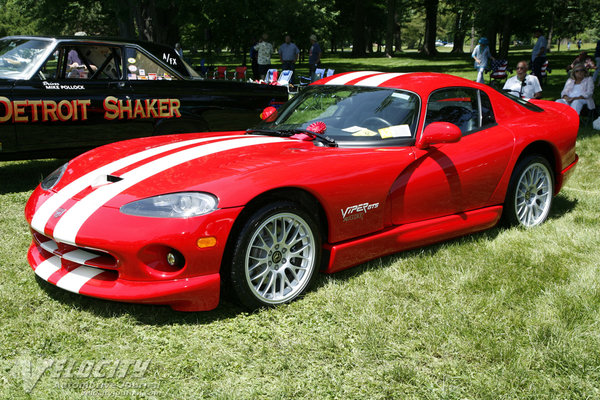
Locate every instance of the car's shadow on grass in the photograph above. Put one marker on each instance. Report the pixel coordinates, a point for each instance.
(22, 176)
(164, 315)
(144, 313)
(561, 206)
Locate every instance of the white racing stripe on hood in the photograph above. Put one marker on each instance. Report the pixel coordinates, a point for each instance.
(378, 79)
(68, 226)
(342, 80)
(47, 209)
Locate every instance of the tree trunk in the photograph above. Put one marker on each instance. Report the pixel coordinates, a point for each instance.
(505, 42)
(124, 12)
(399, 39)
(459, 33)
(472, 46)
(431, 9)
(390, 28)
(154, 22)
(358, 31)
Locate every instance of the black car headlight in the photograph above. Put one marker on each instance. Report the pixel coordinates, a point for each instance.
(51, 180)
(173, 205)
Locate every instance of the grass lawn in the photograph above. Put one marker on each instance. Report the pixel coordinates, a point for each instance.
(504, 314)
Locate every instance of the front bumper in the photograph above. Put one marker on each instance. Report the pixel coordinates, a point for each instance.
(123, 258)
(187, 294)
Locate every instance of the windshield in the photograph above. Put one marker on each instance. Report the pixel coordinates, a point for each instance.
(20, 57)
(353, 115)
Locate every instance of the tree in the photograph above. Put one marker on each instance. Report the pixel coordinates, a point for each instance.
(431, 11)
(463, 11)
(358, 31)
(15, 18)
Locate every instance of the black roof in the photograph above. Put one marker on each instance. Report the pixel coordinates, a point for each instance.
(160, 51)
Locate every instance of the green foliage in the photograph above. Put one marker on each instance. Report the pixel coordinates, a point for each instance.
(15, 18)
(236, 24)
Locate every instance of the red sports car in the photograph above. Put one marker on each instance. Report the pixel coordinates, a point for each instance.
(357, 166)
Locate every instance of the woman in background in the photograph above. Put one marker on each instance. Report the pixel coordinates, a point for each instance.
(578, 90)
(482, 56)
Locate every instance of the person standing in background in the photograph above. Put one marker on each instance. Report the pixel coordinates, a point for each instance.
(482, 56)
(264, 49)
(314, 55)
(288, 54)
(538, 55)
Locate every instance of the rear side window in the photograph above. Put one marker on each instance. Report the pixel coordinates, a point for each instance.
(141, 68)
(469, 109)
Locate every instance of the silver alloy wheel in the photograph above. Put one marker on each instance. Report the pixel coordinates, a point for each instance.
(280, 258)
(533, 195)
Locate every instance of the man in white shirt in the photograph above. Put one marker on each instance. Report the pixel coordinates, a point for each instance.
(523, 85)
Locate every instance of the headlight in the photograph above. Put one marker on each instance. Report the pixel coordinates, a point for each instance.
(173, 205)
(51, 180)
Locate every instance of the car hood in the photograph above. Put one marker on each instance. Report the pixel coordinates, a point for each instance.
(232, 166)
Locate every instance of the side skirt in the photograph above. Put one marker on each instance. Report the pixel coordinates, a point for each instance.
(404, 237)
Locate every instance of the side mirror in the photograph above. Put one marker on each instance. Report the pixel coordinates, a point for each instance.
(269, 114)
(439, 132)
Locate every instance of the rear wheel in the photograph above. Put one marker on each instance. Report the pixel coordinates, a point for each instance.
(276, 255)
(530, 191)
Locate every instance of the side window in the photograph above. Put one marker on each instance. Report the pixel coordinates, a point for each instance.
(93, 62)
(141, 67)
(487, 113)
(459, 106)
(49, 70)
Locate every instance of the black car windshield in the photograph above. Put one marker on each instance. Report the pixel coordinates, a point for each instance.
(20, 57)
(354, 115)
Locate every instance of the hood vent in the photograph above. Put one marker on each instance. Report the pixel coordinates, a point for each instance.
(105, 180)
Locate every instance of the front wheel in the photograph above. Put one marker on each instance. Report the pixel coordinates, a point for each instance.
(530, 191)
(276, 255)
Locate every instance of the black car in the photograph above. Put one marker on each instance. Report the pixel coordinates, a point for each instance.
(60, 96)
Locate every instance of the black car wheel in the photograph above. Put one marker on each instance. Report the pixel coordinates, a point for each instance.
(276, 255)
(530, 191)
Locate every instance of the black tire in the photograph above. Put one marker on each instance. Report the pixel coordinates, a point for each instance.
(262, 272)
(530, 191)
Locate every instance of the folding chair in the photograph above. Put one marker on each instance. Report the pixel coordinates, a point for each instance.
(329, 72)
(285, 78)
(220, 73)
(240, 73)
(319, 74)
(271, 76)
(544, 71)
(499, 72)
(588, 116)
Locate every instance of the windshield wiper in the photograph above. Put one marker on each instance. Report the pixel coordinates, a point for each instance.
(271, 132)
(326, 140)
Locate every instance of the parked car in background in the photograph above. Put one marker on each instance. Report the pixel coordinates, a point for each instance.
(63, 95)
